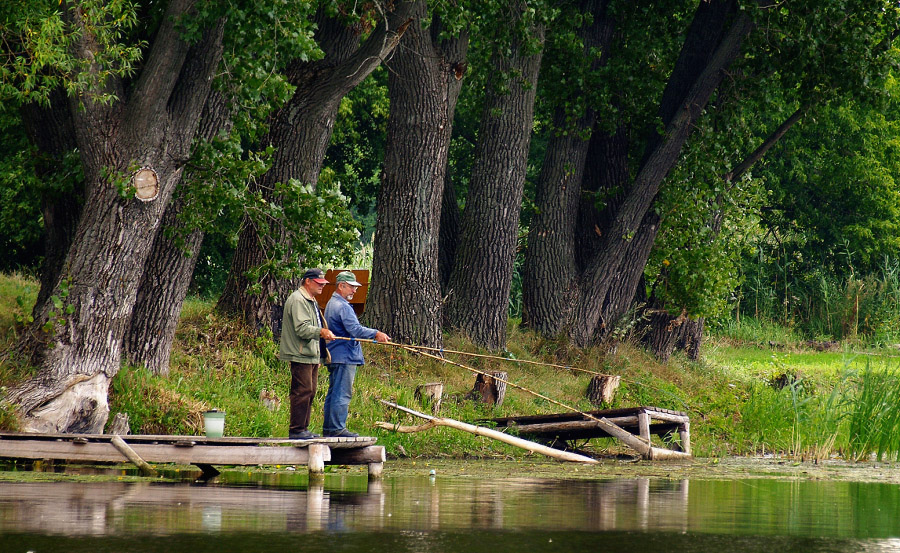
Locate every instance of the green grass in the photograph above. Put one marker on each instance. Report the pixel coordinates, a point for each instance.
(832, 403)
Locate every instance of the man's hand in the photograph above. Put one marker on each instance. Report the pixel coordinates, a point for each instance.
(382, 337)
(326, 334)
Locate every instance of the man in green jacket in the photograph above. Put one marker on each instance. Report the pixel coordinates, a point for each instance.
(303, 333)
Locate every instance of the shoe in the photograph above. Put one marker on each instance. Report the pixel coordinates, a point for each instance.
(343, 433)
(302, 435)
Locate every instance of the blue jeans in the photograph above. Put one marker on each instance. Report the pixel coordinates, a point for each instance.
(337, 400)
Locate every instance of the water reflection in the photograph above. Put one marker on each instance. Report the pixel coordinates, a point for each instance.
(804, 516)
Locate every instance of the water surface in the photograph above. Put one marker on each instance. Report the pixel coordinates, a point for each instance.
(283, 512)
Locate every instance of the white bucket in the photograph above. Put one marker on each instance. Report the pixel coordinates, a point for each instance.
(214, 423)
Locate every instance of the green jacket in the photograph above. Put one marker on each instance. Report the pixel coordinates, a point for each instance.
(300, 341)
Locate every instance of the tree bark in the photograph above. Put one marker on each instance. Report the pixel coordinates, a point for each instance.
(300, 132)
(551, 257)
(79, 343)
(448, 238)
(169, 268)
(404, 298)
(478, 299)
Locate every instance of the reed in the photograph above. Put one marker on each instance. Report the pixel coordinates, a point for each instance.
(817, 305)
(873, 420)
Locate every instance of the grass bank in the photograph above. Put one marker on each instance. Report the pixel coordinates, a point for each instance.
(743, 398)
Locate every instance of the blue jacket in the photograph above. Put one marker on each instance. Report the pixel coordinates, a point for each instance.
(342, 320)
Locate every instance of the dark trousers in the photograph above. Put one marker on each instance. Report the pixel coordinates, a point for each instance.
(304, 377)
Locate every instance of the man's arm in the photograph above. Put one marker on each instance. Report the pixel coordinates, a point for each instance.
(351, 324)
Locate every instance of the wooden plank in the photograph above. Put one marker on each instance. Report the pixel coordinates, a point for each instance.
(589, 428)
(560, 417)
(194, 440)
(644, 426)
(158, 453)
(664, 416)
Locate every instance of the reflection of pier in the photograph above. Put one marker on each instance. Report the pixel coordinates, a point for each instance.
(408, 504)
(110, 508)
(197, 450)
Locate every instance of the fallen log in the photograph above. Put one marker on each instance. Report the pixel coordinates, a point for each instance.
(481, 431)
(132, 456)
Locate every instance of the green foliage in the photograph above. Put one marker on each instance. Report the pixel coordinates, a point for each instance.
(39, 54)
(356, 152)
(319, 220)
(9, 419)
(873, 420)
(20, 215)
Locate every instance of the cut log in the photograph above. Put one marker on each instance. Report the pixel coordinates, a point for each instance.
(602, 389)
(490, 390)
(486, 432)
(430, 394)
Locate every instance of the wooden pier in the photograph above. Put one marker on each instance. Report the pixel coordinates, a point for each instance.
(632, 425)
(201, 451)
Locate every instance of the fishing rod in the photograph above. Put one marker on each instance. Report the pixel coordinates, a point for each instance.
(498, 379)
(413, 349)
(422, 349)
(639, 443)
(482, 355)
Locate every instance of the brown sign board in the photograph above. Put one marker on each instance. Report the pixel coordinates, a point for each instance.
(359, 299)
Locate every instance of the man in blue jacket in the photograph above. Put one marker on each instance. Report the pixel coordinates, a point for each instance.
(346, 355)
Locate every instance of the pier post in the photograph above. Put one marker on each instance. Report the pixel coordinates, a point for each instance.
(317, 454)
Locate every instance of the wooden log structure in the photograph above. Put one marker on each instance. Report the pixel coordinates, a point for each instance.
(196, 450)
(634, 426)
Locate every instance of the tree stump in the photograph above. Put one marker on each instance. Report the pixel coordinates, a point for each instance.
(430, 393)
(119, 425)
(602, 389)
(488, 389)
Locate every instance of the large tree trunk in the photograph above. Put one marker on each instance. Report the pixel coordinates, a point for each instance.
(478, 298)
(404, 299)
(169, 267)
(604, 289)
(79, 344)
(552, 254)
(300, 132)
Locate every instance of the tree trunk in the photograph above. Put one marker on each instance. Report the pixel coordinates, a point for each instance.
(300, 132)
(170, 265)
(478, 300)
(405, 295)
(448, 238)
(550, 260)
(79, 334)
(713, 41)
(665, 332)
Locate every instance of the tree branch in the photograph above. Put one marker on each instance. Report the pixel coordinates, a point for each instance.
(159, 74)
(371, 53)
